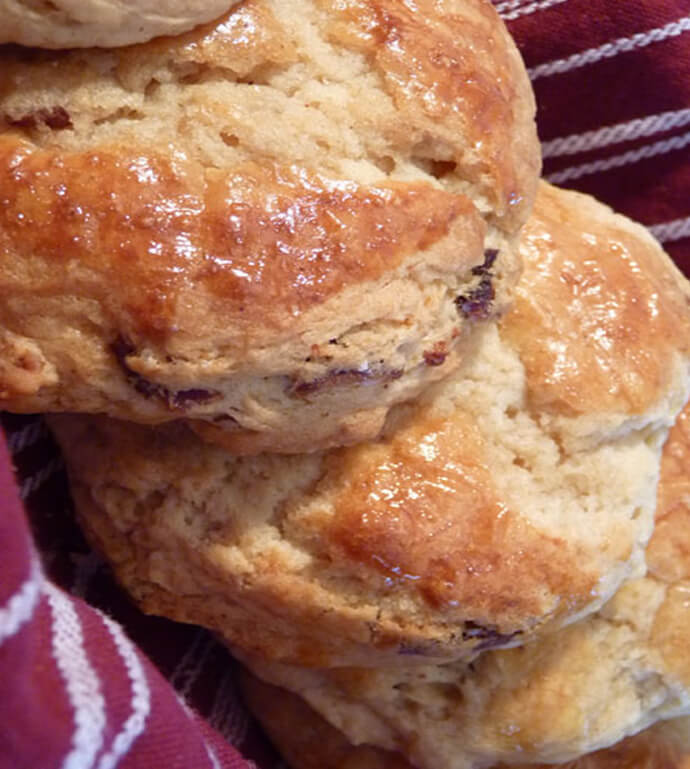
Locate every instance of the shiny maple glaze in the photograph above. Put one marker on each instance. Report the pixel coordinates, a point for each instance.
(421, 509)
(153, 233)
(599, 315)
(451, 69)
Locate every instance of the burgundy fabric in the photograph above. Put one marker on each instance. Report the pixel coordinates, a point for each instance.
(638, 70)
(612, 81)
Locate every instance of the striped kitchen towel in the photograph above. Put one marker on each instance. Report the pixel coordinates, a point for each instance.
(612, 81)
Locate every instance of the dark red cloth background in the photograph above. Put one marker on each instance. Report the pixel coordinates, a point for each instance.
(75, 691)
(643, 74)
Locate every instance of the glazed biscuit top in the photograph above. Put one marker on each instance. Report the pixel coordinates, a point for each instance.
(260, 245)
(287, 151)
(88, 23)
(423, 510)
(612, 312)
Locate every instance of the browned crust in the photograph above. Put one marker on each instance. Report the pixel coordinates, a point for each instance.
(433, 79)
(591, 275)
(148, 236)
(421, 510)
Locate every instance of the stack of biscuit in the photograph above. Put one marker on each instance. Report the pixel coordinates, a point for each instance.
(338, 377)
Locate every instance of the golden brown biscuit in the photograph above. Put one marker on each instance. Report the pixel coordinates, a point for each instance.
(308, 741)
(276, 226)
(484, 514)
(623, 337)
(580, 689)
(89, 23)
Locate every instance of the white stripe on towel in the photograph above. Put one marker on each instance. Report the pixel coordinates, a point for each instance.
(610, 49)
(624, 159)
(613, 134)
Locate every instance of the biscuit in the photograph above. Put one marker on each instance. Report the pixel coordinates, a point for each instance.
(580, 689)
(484, 514)
(607, 362)
(308, 741)
(90, 23)
(276, 226)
